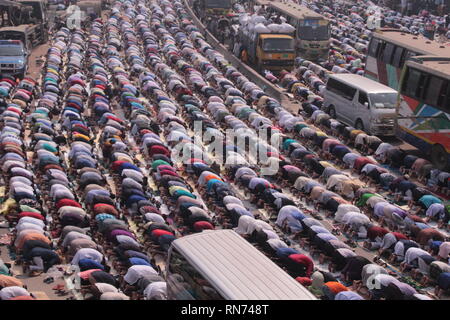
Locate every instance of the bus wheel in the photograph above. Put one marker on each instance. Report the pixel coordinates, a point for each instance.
(439, 157)
(332, 111)
(359, 125)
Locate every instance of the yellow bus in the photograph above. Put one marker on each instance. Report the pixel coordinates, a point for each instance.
(312, 29)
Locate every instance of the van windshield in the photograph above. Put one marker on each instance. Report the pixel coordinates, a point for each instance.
(385, 100)
(12, 51)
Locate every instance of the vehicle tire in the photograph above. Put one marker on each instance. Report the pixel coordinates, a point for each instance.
(359, 125)
(439, 157)
(332, 112)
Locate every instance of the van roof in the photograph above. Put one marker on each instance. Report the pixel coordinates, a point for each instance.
(363, 83)
(236, 269)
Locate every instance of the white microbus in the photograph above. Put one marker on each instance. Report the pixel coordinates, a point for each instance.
(361, 102)
(221, 265)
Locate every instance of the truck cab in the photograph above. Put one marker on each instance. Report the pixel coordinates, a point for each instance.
(273, 52)
(13, 58)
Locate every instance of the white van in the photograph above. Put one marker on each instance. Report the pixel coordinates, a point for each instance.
(221, 265)
(361, 102)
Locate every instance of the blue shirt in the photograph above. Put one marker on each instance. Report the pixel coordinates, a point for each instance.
(88, 264)
(428, 200)
(285, 252)
(139, 261)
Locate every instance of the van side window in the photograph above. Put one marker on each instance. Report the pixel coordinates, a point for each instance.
(362, 98)
(373, 47)
(341, 89)
(387, 53)
(186, 282)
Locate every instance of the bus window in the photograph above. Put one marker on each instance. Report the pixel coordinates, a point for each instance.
(432, 93)
(411, 82)
(373, 47)
(381, 47)
(291, 21)
(443, 100)
(387, 53)
(397, 58)
(421, 86)
(313, 29)
(407, 56)
(446, 104)
(186, 282)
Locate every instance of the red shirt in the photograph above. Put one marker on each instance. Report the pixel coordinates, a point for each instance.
(203, 225)
(14, 110)
(67, 203)
(105, 208)
(144, 131)
(114, 118)
(116, 164)
(399, 236)
(158, 150)
(168, 172)
(192, 160)
(376, 231)
(304, 281)
(159, 232)
(85, 274)
(77, 81)
(361, 162)
(303, 260)
(32, 215)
